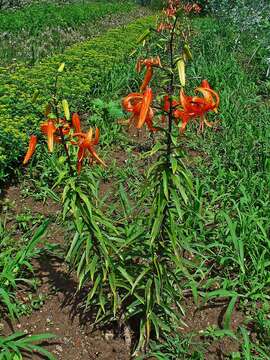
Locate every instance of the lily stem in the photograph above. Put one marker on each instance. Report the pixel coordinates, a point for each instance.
(63, 141)
(170, 91)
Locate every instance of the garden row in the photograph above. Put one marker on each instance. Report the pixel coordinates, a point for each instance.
(93, 67)
(37, 17)
(46, 28)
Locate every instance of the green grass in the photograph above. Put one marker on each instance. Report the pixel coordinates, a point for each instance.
(39, 30)
(36, 18)
(235, 177)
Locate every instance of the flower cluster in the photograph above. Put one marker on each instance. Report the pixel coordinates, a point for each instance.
(57, 130)
(184, 110)
(192, 107)
(172, 8)
(139, 104)
(189, 8)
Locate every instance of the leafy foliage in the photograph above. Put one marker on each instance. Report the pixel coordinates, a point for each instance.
(15, 346)
(91, 65)
(15, 265)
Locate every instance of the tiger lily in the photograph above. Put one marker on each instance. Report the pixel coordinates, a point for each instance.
(76, 122)
(31, 149)
(140, 107)
(86, 144)
(164, 26)
(52, 131)
(148, 63)
(48, 128)
(195, 106)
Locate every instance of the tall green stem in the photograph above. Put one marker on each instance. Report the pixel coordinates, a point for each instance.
(63, 141)
(170, 91)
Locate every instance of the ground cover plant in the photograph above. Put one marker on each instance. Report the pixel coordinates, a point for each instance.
(16, 274)
(194, 228)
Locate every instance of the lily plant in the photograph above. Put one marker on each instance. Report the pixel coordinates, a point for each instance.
(65, 131)
(166, 111)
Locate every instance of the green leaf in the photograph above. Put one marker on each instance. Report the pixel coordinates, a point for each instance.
(126, 275)
(165, 184)
(143, 36)
(228, 314)
(174, 164)
(139, 278)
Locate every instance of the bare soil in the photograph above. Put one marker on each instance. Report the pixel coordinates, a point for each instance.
(61, 313)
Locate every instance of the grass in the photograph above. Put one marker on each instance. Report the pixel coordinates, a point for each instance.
(39, 30)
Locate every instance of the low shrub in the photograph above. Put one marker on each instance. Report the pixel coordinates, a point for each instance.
(92, 69)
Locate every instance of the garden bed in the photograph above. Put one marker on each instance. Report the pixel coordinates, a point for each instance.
(216, 251)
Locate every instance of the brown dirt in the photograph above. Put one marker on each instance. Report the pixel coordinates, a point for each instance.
(211, 315)
(21, 204)
(60, 313)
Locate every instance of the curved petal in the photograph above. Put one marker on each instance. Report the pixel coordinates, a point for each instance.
(95, 155)
(147, 100)
(81, 153)
(76, 123)
(205, 84)
(185, 101)
(147, 78)
(210, 96)
(50, 132)
(127, 102)
(89, 138)
(31, 148)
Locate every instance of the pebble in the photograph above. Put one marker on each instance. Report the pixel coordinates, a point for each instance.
(66, 340)
(59, 348)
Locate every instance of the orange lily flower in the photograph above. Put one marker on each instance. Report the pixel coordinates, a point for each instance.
(86, 143)
(148, 63)
(140, 107)
(53, 133)
(195, 106)
(31, 148)
(164, 26)
(48, 128)
(76, 122)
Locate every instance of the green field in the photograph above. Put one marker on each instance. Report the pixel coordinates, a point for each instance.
(32, 33)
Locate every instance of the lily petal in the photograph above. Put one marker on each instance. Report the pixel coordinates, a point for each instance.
(31, 148)
(146, 102)
(76, 122)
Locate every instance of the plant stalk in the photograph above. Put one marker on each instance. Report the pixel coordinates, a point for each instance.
(63, 141)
